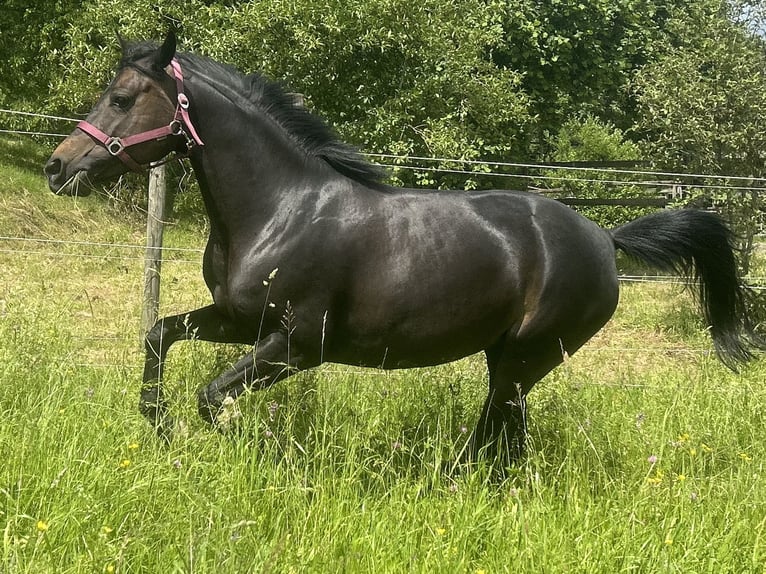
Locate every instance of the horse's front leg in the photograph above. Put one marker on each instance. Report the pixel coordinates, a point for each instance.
(272, 359)
(206, 324)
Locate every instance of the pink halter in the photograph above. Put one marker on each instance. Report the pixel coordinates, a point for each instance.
(181, 125)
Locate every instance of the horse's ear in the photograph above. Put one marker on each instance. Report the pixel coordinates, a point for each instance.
(123, 43)
(167, 51)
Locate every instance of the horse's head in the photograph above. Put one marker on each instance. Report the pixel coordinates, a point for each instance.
(135, 122)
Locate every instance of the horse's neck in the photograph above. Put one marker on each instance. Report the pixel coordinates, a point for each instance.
(249, 170)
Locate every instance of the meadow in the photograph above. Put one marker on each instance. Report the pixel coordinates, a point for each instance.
(645, 453)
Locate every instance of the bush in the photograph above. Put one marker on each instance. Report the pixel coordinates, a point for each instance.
(588, 139)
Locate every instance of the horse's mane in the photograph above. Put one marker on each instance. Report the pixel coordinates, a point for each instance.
(307, 130)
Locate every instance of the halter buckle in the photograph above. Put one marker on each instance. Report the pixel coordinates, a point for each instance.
(114, 146)
(176, 128)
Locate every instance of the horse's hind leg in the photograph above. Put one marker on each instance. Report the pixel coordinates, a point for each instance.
(514, 368)
(206, 324)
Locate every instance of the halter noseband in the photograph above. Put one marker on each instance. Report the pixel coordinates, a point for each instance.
(180, 126)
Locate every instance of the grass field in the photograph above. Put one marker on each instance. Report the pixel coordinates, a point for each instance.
(646, 455)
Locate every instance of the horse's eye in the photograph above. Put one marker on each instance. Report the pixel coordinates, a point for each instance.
(121, 101)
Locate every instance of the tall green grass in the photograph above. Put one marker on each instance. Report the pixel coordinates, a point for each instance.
(645, 454)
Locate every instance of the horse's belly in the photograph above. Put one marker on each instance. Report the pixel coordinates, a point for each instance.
(422, 335)
(396, 356)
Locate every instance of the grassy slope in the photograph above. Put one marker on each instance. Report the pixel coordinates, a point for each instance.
(343, 474)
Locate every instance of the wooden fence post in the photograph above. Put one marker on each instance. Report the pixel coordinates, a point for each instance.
(153, 260)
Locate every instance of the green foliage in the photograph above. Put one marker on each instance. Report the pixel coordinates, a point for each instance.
(391, 76)
(702, 101)
(586, 139)
(31, 41)
(481, 79)
(493, 80)
(702, 109)
(579, 56)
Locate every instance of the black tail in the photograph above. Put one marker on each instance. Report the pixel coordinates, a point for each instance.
(698, 245)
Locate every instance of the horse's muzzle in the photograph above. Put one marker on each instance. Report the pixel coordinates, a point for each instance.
(61, 184)
(54, 170)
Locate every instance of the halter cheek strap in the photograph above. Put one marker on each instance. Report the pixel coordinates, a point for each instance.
(180, 126)
(183, 103)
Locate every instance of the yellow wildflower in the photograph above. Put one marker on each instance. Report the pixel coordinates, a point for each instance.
(125, 463)
(745, 457)
(441, 531)
(133, 446)
(680, 477)
(705, 448)
(684, 437)
(42, 526)
(656, 479)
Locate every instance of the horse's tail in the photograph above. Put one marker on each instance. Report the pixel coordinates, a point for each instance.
(698, 245)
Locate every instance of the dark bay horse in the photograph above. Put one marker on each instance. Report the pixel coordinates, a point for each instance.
(311, 258)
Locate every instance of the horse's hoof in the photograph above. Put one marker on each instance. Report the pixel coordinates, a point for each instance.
(228, 416)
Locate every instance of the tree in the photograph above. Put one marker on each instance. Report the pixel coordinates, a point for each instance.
(579, 57)
(391, 75)
(478, 79)
(31, 39)
(703, 108)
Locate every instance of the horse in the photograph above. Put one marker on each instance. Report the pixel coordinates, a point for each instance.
(313, 258)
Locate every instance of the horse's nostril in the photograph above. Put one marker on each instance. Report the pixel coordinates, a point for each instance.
(53, 167)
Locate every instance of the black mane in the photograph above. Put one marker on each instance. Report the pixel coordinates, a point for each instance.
(307, 130)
